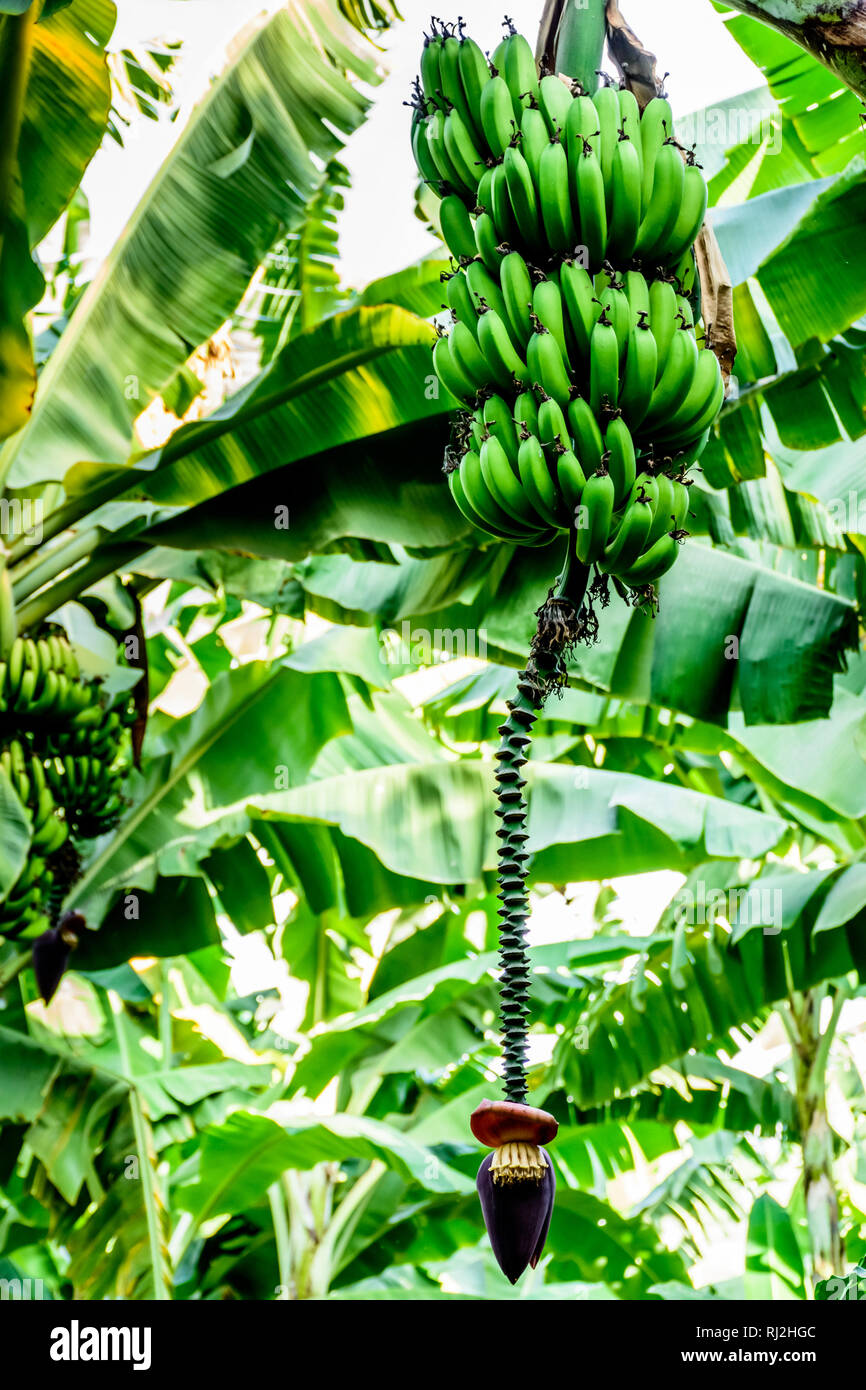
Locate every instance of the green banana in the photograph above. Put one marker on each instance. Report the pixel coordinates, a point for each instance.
(555, 197)
(463, 152)
(663, 319)
(588, 442)
(481, 499)
(448, 373)
(675, 381)
(571, 481)
(526, 412)
(516, 61)
(612, 301)
(504, 485)
(625, 186)
(534, 140)
(637, 293)
(663, 509)
(547, 368)
(431, 79)
(620, 455)
(496, 346)
(451, 80)
(690, 217)
(517, 294)
(552, 426)
(421, 150)
(681, 504)
(524, 201)
(497, 116)
(667, 197)
(581, 126)
(639, 376)
(656, 126)
(629, 539)
(684, 312)
(455, 487)
(487, 241)
(578, 297)
(606, 103)
(537, 482)
(588, 194)
(484, 289)
(435, 136)
(594, 517)
(548, 309)
(603, 366)
(484, 194)
(629, 121)
(468, 357)
(474, 78)
(554, 100)
(702, 404)
(652, 564)
(501, 208)
(685, 272)
(497, 418)
(460, 301)
(456, 227)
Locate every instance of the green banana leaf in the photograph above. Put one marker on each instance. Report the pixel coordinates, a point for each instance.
(299, 283)
(704, 984)
(433, 821)
(824, 114)
(65, 108)
(238, 1160)
(242, 173)
(812, 293)
(774, 1265)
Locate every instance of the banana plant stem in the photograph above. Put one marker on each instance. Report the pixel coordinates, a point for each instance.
(580, 41)
(105, 562)
(14, 968)
(72, 511)
(41, 568)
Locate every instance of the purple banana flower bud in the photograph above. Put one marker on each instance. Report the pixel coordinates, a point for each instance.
(51, 952)
(517, 1203)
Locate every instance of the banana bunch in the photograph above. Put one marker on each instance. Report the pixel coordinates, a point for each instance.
(27, 901)
(546, 169)
(94, 731)
(60, 749)
(42, 679)
(89, 789)
(573, 346)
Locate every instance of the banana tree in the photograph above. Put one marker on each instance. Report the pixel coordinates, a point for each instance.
(676, 742)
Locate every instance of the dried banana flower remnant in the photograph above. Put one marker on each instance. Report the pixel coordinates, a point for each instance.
(516, 1187)
(518, 1163)
(51, 952)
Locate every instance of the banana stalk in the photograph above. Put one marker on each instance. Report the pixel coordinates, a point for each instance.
(557, 631)
(579, 42)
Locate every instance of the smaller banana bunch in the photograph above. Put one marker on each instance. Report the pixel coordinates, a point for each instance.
(573, 347)
(60, 750)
